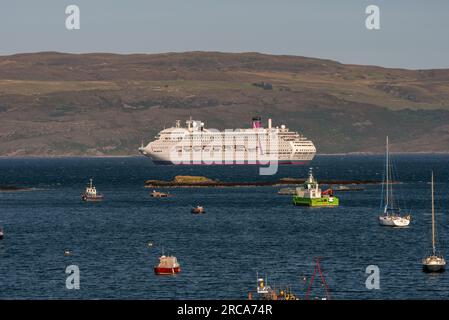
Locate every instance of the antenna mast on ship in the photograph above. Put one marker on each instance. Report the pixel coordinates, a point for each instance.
(387, 174)
(318, 269)
(433, 219)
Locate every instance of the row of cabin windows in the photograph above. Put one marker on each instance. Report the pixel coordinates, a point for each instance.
(210, 138)
(224, 147)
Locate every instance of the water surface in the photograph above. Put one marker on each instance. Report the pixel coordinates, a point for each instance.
(246, 230)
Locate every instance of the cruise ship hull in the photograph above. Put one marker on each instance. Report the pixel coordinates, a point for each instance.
(199, 163)
(199, 159)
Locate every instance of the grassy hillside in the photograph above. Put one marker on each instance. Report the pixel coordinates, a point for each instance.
(105, 104)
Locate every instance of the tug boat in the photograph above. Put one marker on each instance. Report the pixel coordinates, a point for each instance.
(168, 265)
(91, 193)
(157, 194)
(433, 262)
(2, 234)
(392, 213)
(311, 195)
(198, 210)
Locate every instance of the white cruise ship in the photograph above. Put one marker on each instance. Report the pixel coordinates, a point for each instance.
(195, 144)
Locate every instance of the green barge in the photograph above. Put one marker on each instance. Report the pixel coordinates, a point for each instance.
(310, 195)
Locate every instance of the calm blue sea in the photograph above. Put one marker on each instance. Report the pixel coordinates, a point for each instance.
(245, 231)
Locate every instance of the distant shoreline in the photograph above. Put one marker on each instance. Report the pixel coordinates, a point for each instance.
(136, 156)
(14, 189)
(202, 181)
(382, 153)
(65, 157)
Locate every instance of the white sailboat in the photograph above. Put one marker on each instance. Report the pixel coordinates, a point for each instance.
(433, 262)
(391, 216)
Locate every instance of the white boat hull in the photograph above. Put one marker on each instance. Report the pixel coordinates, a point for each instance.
(394, 221)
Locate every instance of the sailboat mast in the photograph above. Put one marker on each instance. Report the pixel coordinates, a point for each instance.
(387, 174)
(433, 218)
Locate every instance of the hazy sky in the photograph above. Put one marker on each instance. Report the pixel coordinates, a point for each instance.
(413, 34)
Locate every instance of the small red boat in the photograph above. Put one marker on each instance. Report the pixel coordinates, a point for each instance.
(168, 265)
